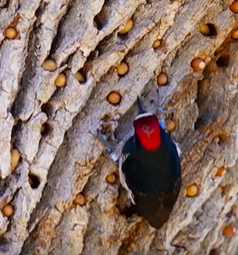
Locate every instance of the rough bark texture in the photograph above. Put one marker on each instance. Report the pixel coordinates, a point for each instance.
(83, 35)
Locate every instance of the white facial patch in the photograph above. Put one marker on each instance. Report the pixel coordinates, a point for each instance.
(143, 115)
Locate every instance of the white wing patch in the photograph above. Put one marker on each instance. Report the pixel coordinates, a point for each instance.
(123, 178)
(178, 147)
(142, 115)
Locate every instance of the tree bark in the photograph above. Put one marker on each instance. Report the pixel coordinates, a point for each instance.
(67, 159)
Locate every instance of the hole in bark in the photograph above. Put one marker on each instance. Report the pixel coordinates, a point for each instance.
(100, 20)
(208, 29)
(4, 244)
(6, 5)
(232, 212)
(93, 54)
(46, 129)
(223, 61)
(213, 252)
(222, 138)
(123, 37)
(15, 131)
(179, 248)
(87, 67)
(47, 108)
(17, 125)
(213, 31)
(83, 71)
(102, 47)
(78, 75)
(124, 204)
(34, 181)
(160, 46)
(198, 123)
(39, 12)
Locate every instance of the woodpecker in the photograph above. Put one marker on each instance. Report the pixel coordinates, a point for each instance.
(150, 169)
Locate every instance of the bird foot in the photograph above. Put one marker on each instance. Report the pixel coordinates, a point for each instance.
(162, 113)
(107, 146)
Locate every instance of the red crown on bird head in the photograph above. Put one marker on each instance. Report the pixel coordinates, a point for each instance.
(147, 128)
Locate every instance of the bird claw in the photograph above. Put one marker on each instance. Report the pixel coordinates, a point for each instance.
(107, 146)
(104, 141)
(162, 114)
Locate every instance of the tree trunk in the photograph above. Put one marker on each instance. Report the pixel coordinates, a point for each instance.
(66, 159)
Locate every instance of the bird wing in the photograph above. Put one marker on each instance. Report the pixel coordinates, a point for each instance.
(163, 213)
(154, 192)
(132, 181)
(157, 206)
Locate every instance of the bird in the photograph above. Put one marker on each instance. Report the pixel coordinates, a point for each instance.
(150, 169)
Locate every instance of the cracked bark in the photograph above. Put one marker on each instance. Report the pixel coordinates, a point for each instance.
(68, 160)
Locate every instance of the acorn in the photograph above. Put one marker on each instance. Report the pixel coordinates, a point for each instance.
(128, 26)
(234, 34)
(49, 65)
(162, 79)
(122, 69)
(170, 125)
(111, 178)
(8, 210)
(156, 44)
(42, 128)
(60, 80)
(11, 33)
(79, 199)
(234, 6)
(198, 64)
(204, 29)
(79, 77)
(114, 97)
(15, 157)
(229, 231)
(192, 190)
(221, 171)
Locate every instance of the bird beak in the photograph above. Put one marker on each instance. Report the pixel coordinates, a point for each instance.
(141, 108)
